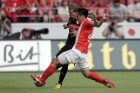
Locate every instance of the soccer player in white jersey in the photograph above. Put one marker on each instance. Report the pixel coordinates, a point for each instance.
(78, 54)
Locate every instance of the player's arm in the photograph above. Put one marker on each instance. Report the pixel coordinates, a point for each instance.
(97, 23)
(65, 26)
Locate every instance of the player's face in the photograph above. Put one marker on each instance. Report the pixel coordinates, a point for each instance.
(79, 18)
(72, 13)
(75, 15)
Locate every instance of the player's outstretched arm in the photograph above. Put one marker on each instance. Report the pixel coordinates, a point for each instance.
(97, 23)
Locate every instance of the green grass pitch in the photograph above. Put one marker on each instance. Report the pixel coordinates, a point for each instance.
(126, 82)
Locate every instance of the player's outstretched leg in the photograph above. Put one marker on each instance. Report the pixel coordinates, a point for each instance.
(61, 76)
(39, 82)
(97, 78)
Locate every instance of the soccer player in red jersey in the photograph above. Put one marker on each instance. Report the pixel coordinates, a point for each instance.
(73, 26)
(78, 54)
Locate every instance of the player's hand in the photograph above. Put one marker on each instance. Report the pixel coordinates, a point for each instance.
(73, 33)
(105, 16)
(94, 15)
(65, 26)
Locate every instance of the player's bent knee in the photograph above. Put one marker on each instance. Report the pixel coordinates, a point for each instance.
(85, 73)
(55, 62)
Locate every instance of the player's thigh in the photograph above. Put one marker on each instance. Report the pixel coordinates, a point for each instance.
(83, 64)
(68, 57)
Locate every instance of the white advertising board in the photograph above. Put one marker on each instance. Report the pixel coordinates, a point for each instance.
(24, 55)
(56, 31)
(45, 54)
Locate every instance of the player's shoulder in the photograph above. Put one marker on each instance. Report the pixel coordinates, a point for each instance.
(87, 21)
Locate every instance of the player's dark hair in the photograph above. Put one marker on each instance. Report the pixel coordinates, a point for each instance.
(82, 11)
(73, 6)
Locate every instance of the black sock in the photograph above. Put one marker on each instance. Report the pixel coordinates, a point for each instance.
(63, 73)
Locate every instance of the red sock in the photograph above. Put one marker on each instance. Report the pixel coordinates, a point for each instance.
(48, 72)
(96, 77)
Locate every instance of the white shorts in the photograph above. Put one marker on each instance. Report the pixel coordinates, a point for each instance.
(74, 56)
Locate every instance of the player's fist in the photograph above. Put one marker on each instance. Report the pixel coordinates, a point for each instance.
(65, 26)
(106, 16)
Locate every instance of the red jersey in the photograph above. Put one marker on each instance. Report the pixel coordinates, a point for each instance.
(84, 34)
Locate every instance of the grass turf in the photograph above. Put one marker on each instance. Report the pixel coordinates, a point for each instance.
(126, 82)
